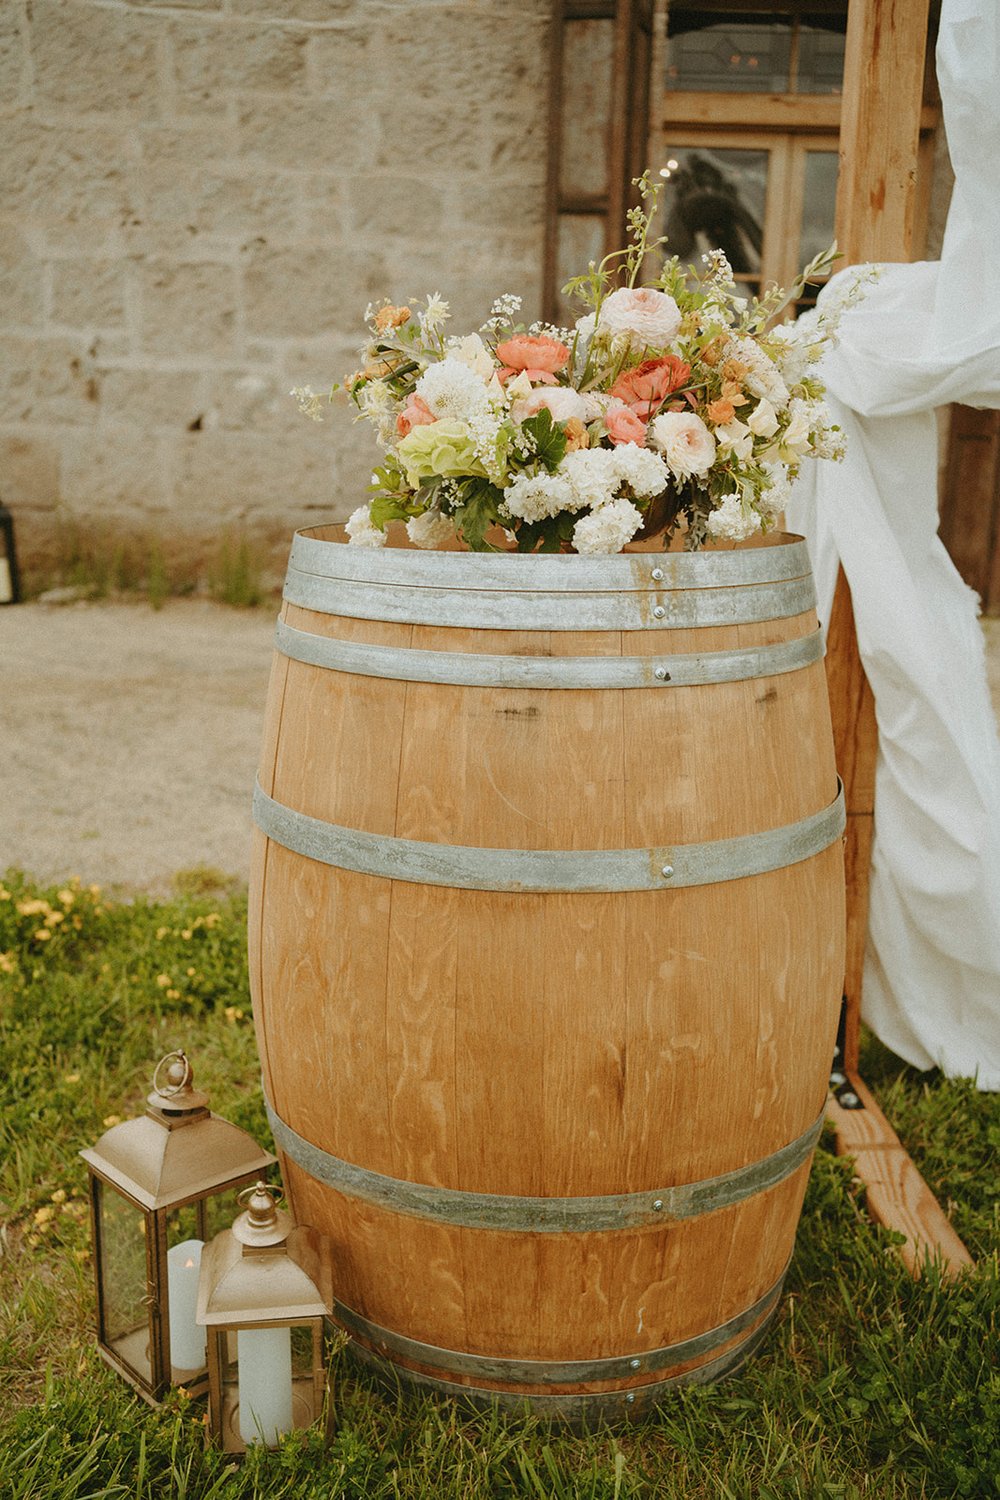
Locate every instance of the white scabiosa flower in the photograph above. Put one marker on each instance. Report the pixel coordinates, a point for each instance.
(644, 472)
(647, 318)
(607, 529)
(733, 520)
(451, 389)
(536, 497)
(361, 531)
(685, 442)
(431, 529)
(763, 378)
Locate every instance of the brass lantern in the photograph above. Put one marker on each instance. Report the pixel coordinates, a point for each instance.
(160, 1185)
(265, 1291)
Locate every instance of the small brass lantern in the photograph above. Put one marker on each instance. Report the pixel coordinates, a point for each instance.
(264, 1293)
(160, 1185)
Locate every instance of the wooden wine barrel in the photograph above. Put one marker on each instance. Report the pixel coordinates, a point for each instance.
(547, 925)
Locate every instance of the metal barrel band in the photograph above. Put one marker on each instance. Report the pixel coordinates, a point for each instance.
(557, 1372)
(520, 609)
(528, 871)
(470, 669)
(574, 1407)
(529, 1215)
(413, 567)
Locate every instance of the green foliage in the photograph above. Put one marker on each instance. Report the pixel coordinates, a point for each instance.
(872, 1385)
(236, 576)
(478, 512)
(547, 437)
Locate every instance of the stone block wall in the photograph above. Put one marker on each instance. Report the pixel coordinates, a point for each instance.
(197, 200)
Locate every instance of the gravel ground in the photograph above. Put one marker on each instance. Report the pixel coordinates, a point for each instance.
(129, 737)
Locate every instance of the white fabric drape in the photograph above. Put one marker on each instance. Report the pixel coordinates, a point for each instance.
(926, 334)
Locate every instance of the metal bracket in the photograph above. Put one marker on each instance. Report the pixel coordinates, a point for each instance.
(840, 1085)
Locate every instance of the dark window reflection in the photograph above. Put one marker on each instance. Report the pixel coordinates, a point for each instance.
(774, 52)
(715, 200)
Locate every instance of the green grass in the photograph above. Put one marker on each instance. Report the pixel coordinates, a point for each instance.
(872, 1384)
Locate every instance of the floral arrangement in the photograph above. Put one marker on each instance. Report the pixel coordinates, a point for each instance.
(676, 403)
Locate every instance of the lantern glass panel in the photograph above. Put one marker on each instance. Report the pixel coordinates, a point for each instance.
(125, 1309)
(263, 1350)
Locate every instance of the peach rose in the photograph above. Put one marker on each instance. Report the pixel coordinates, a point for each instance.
(645, 387)
(538, 357)
(624, 426)
(416, 413)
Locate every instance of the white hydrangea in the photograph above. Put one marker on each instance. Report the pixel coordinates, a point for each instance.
(593, 475)
(644, 472)
(431, 529)
(763, 378)
(452, 389)
(361, 531)
(733, 520)
(535, 497)
(607, 529)
(775, 495)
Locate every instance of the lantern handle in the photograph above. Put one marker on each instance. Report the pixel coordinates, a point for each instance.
(276, 1194)
(173, 1088)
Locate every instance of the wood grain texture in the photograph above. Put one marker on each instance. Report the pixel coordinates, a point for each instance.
(555, 1044)
(897, 1195)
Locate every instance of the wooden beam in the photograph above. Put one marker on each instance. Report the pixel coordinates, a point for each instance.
(897, 1195)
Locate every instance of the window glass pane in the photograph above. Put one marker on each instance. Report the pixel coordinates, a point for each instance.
(821, 56)
(581, 240)
(714, 199)
(587, 57)
(741, 53)
(819, 200)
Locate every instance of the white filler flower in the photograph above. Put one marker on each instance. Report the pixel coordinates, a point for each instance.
(732, 521)
(361, 531)
(432, 529)
(607, 529)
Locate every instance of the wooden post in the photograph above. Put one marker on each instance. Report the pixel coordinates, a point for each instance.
(876, 204)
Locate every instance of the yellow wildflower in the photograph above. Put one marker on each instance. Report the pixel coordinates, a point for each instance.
(44, 1214)
(32, 908)
(59, 1196)
(42, 935)
(186, 933)
(191, 973)
(173, 994)
(163, 980)
(7, 964)
(72, 1078)
(95, 890)
(54, 918)
(161, 933)
(110, 1120)
(67, 897)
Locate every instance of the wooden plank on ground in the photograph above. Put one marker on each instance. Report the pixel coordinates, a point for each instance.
(897, 1195)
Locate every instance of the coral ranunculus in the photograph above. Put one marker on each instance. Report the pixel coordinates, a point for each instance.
(647, 386)
(538, 357)
(624, 426)
(416, 413)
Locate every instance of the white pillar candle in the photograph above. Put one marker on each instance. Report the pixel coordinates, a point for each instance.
(6, 582)
(187, 1340)
(265, 1375)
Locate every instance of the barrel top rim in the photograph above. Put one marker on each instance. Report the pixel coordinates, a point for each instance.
(323, 551)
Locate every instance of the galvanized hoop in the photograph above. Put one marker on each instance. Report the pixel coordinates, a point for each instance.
(557, 1372)
(479, 669)
(467, 867)
(527, 1215)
